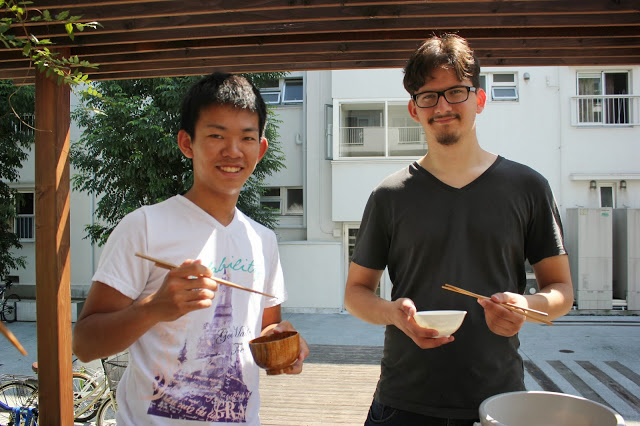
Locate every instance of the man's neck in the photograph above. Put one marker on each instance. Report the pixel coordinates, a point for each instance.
(457, 165)
(221, 209)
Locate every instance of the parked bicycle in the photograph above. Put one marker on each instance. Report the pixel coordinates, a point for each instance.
(98, 394)
(93, 392)
(8, 303)
(18, 403)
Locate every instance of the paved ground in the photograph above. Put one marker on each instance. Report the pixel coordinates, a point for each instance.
(597, 357)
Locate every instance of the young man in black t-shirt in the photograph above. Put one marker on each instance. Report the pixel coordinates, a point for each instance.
(458, 215)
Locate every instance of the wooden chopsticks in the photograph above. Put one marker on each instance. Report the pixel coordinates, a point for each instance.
(527, 312)
(167, 265)
(12, 338)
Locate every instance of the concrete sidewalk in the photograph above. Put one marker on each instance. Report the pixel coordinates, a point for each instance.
(597, 357)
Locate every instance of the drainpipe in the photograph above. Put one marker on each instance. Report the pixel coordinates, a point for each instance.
(305, 199)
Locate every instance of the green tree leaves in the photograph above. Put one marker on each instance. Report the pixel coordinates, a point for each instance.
(128, 154)
(67, 69)
(17, 105)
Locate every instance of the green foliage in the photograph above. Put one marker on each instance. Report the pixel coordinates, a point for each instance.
(129, 157)
(67, 69)
(16, 137)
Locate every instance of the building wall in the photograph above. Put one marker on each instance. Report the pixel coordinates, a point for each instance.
(84, 255)
(535, 130)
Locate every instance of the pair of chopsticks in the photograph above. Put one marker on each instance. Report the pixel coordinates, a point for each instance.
(12, 338)
(167, 265)
(527, 312)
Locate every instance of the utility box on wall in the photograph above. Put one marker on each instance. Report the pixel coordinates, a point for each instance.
(589, 239)
(626, 256)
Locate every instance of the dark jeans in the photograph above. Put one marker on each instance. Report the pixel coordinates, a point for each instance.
(383, 415)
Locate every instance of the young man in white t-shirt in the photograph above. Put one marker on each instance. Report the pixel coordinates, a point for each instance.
(189, 358)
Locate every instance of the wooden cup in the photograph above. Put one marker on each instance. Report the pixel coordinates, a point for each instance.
(276, 352)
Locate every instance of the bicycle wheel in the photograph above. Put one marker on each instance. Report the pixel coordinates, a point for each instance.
(85, 397)
(9, 308)
(107, 412)
(17, 394)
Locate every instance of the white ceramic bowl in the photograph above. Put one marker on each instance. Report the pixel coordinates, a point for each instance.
(446, 322)
(532, 408)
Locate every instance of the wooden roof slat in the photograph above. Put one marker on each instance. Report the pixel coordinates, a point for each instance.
(190, 14)
(264, 55)
(152, 42)
(313, 29)
(105, 11)
(153, 34)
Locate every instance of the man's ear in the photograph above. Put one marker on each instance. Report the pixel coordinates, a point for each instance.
(413, 110)
(264, 145)
(184, 143)
(481, 96)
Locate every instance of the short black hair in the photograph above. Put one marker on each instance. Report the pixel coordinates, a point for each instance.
(220, 88)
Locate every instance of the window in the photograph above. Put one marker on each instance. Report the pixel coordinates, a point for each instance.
(603, 98)
(24, 224)
(378, 129)
(500, 86)
(283, 91)
(292, 91)
(360, 123)
(271, 199)
(294, 201)
(270, 91)
(503, 87)
(606, 194)
(271, 98)
(284, 201)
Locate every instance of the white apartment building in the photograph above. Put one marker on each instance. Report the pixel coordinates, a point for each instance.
(343, 131)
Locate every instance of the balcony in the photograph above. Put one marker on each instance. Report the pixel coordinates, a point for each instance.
(382, 142)
(605, 110)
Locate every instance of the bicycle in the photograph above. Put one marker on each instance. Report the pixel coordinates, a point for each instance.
(22, 391)
(93, 393)
(88, 392)
(18, 402)
(113, 369)
(8, 303)
(97, 395)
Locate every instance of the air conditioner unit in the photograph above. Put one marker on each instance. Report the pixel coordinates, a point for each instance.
(626, 256)
(589, 240)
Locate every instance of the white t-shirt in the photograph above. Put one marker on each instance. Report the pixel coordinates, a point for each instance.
(197, 369)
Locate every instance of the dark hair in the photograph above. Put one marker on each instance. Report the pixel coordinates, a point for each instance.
(221, 89)
(447, 50)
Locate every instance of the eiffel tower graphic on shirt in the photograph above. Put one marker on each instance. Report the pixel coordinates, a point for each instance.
(208, 386)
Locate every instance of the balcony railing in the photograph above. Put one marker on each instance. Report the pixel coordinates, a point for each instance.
(352, 136)
(411, 135)
(25, 123)
(25, 227)
(379, 141)
(605, 110)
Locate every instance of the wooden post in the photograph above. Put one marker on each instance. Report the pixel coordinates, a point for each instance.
(53, 263)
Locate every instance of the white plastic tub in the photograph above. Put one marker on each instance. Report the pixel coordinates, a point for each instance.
(535, 408)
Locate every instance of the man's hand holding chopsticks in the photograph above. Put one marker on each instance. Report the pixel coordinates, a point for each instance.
(186, 288)
(503, 321)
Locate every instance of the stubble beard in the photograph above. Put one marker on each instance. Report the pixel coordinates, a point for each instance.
(447, 138)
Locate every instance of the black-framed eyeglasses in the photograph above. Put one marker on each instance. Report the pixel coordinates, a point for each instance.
(453, 95)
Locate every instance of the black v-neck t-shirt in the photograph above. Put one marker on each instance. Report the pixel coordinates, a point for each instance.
(476, 237)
